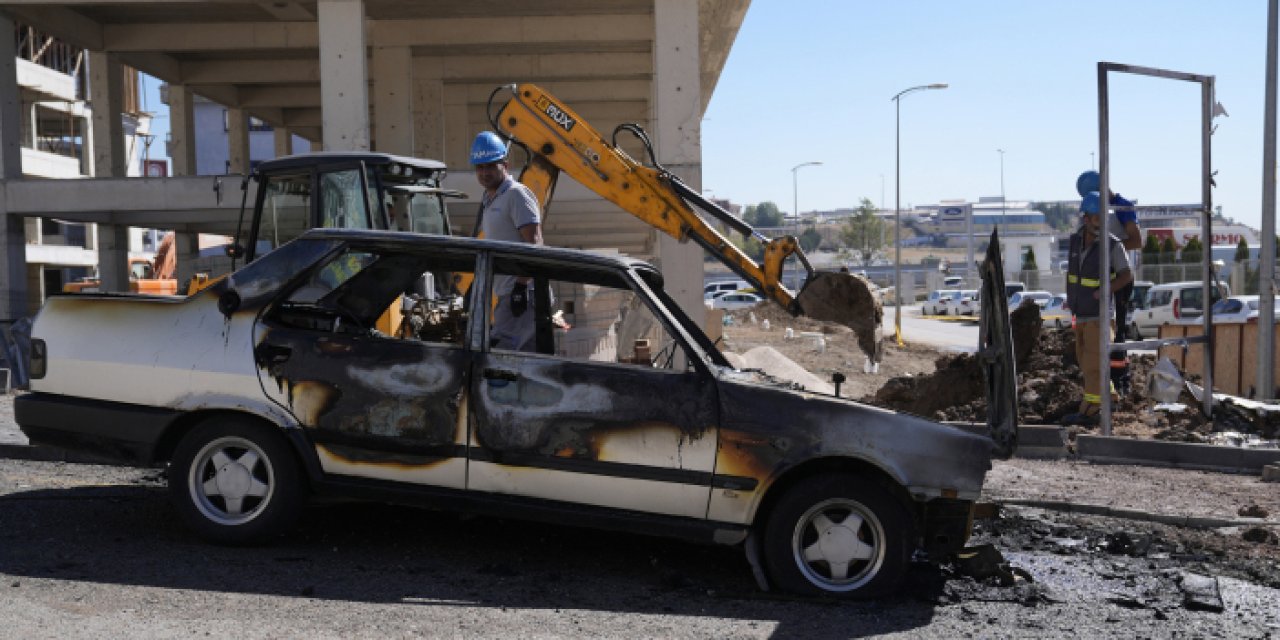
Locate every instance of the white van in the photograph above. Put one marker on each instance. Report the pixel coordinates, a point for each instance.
(1171, 302)
(713, 290)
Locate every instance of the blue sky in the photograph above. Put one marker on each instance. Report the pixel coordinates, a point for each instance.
(811, 80)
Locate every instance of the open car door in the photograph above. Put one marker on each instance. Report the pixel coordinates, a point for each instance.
(995, 353)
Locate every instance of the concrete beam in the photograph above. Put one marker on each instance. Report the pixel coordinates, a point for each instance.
(498, 69)
(435, 32)
(164, 203)
(344, 99)
(393, 90)
(251, 71)
(205, 36)
(720, 20)
(285, 11)
(505, 31)
(280, 96)
(304, 117)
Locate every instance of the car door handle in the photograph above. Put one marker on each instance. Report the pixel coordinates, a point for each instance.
(501, 374)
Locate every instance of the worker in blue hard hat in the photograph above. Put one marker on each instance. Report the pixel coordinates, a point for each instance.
(1086, 284)
(508, 211)
(1124, 226)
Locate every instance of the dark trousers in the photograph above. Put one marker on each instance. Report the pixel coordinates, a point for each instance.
(1122, 310)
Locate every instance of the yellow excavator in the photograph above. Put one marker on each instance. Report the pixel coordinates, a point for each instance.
(557, 139)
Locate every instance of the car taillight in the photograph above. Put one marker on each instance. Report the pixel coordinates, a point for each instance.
(1177, 309)
(39, 358)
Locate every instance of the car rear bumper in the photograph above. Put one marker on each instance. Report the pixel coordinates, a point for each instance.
(111, 430)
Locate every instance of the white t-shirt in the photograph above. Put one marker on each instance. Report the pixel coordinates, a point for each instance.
(512, 207)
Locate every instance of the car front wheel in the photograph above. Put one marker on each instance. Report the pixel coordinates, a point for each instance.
(838, 535)
(234, 481)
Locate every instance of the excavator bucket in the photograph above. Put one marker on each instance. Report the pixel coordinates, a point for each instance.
(847, 299)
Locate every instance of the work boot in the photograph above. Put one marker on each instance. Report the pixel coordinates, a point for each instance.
(1121, 377)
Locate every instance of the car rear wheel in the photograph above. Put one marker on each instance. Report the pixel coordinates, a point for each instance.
(838, 535)
(234, 481)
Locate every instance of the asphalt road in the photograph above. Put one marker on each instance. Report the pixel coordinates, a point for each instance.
(88, 551)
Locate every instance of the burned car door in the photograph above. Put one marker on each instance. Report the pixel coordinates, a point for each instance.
(602, 410)
(995, 353)
(374, 404)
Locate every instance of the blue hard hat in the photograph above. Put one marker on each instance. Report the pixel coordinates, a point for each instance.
(488, 148)
(1091, 203)
(1088, 181)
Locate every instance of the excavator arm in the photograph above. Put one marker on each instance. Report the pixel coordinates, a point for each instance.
(557, 139)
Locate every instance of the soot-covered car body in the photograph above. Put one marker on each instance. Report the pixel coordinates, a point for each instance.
(271, 386)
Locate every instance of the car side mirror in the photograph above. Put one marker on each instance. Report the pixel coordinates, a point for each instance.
(235, 251)
(228, 302)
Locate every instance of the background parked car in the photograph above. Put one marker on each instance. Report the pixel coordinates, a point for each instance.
(1056, 314)
(965, 304)
(732, 301)
(1238, 309)
(936, 303)
(1041, 298)
(714, 289)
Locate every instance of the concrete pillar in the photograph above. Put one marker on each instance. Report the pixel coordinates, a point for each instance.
(13, 244)
(282, 139)
(393, 100)
(428, 108)
(106, 91)
(344, 78)
(677, 114)
(237, 141)
(182, 156)
(182, 131)
(458, 131)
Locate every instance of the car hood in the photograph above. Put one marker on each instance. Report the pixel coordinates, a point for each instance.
(773, 428)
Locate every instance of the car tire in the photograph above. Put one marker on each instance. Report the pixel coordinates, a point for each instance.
(838, 535)
(1133, 331)
(235, 481)
(1057, 322)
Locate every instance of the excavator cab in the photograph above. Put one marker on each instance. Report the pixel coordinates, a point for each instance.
(344, 191)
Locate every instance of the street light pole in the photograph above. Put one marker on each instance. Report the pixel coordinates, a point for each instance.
(1003, 206)
(897, 205)
(795, 192)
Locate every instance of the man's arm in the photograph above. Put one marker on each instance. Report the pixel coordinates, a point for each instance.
(532, 233)
(1133, 237)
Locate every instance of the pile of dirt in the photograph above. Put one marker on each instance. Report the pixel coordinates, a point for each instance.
(1049, 387)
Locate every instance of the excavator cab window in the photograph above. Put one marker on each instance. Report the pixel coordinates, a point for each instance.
(285, 212)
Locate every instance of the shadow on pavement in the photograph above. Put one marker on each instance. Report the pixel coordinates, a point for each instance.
(355, 553)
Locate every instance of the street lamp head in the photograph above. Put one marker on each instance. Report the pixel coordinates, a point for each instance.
(922, 87)
(806, 164)
(937, 85)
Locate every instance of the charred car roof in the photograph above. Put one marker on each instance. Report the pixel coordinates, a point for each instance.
(404, 239)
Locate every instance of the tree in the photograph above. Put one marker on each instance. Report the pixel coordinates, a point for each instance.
(1151, 250)
(765, 214)
(1168, 252)
(1192, 251)
(810, 240)
(1029, 261)
(863, 231)
(1242, 251)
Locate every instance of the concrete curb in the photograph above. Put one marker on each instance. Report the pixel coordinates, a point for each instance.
(1182, 455)
(1034, 441)
(1189, 522)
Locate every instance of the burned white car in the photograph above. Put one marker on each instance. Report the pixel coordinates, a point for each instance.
(276, 384)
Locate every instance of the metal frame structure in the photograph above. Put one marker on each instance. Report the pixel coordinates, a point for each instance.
(1206, 223)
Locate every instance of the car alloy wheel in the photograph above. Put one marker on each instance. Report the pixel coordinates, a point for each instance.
(235, 481)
